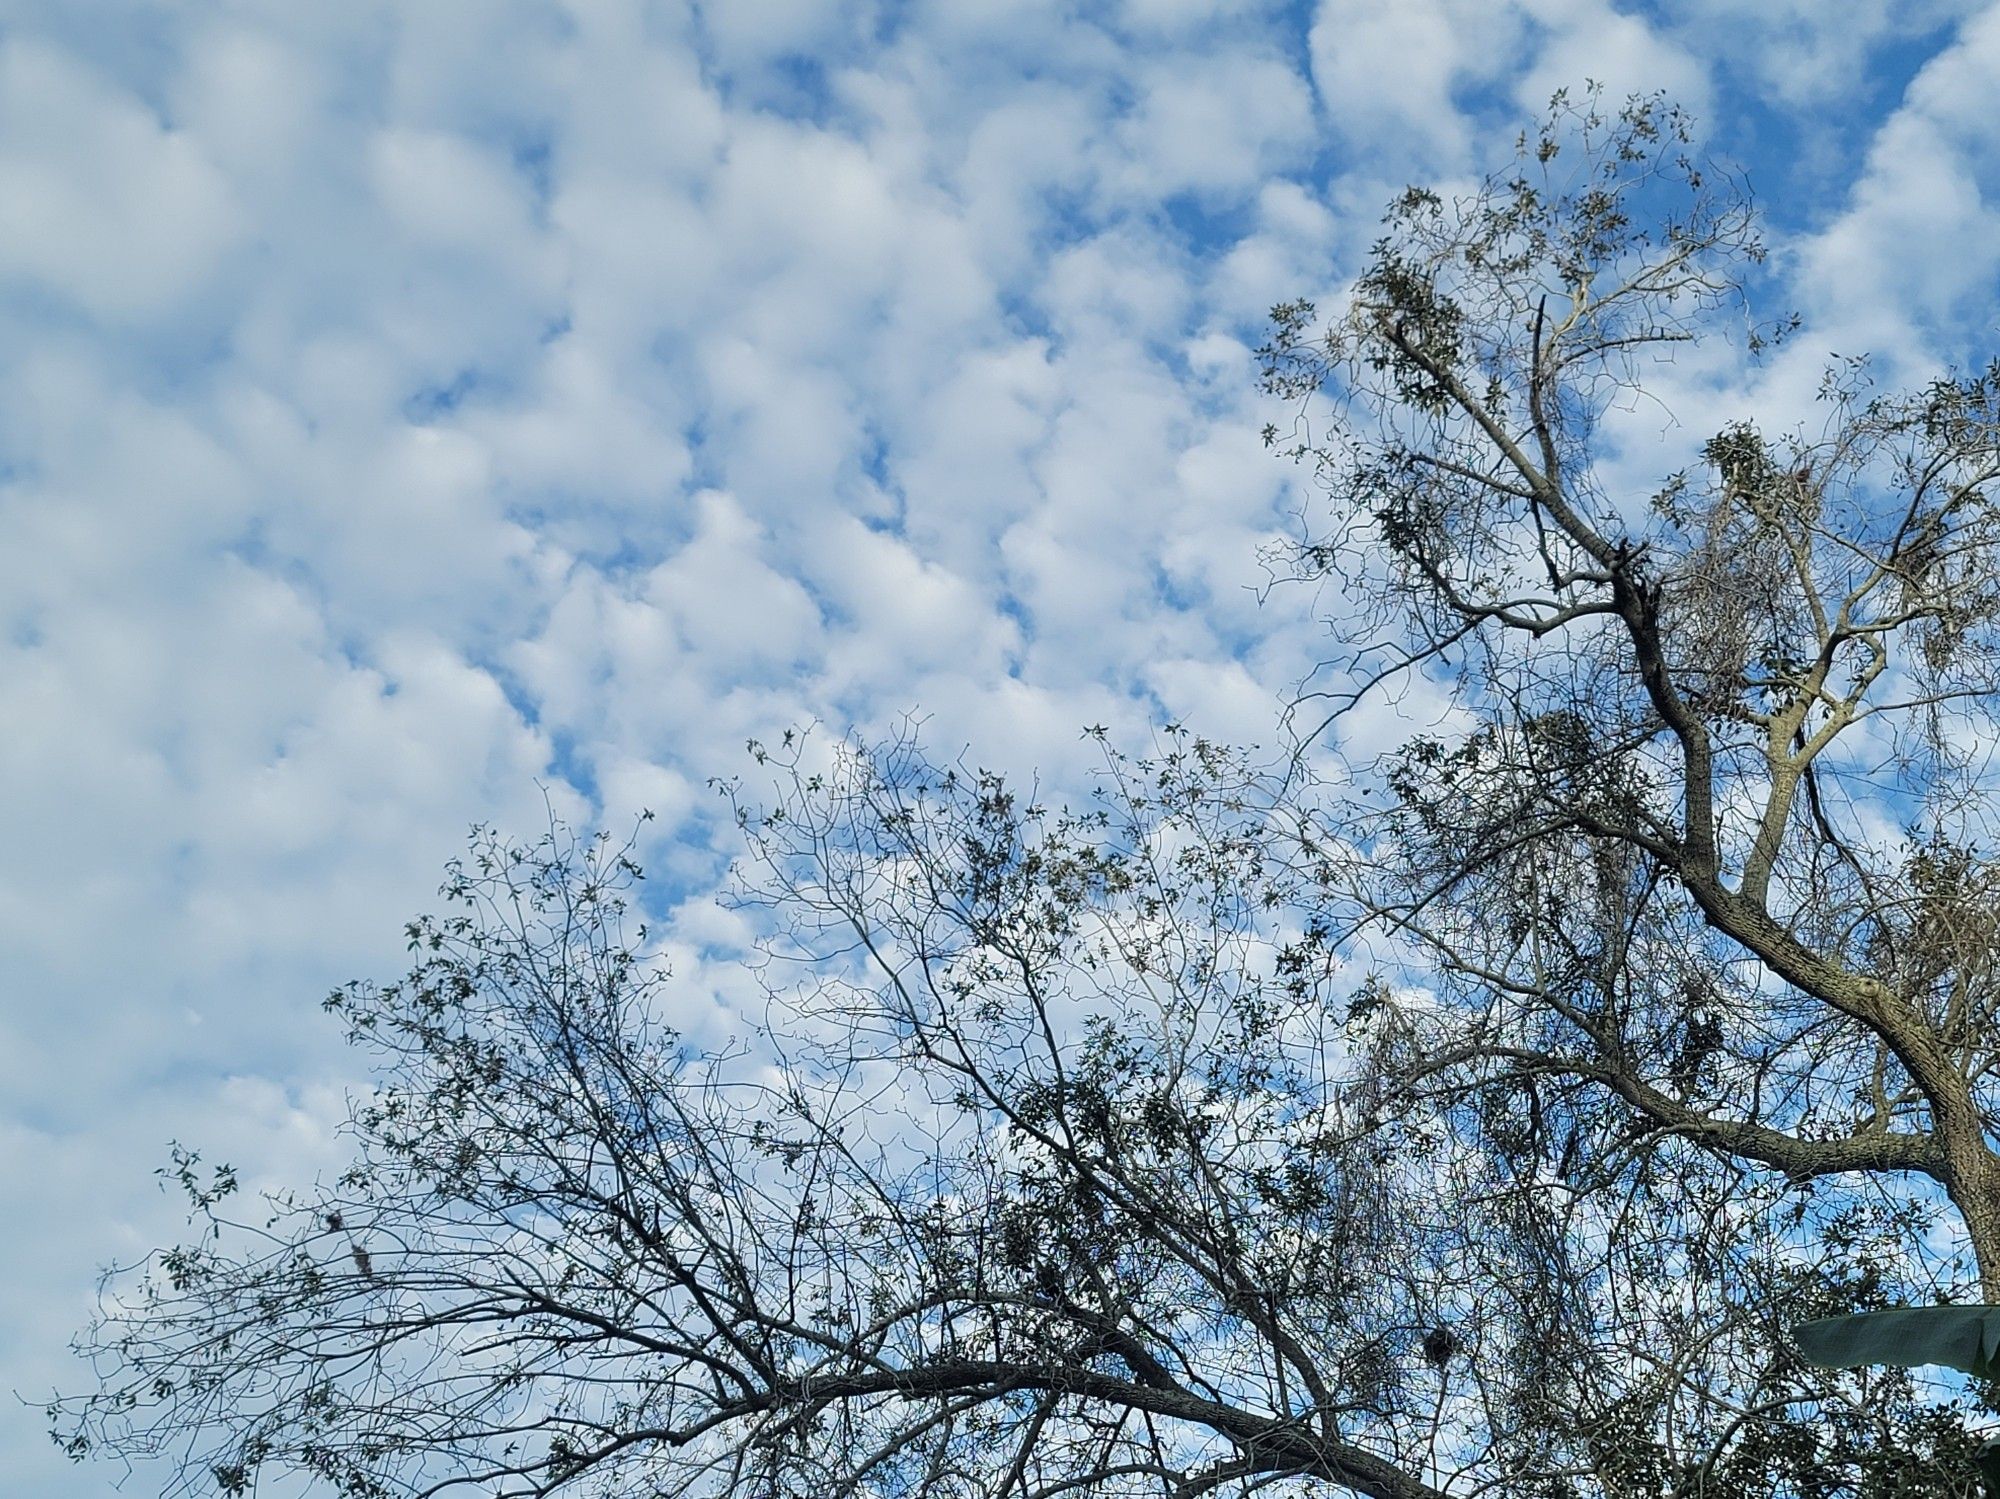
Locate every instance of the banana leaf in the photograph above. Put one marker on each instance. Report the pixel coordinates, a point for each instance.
(1966, 1338)
(1958, 1337)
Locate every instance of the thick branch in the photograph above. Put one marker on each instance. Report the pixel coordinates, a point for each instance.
(1278, 1446)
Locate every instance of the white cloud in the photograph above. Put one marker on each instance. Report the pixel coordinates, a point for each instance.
(1295, 245)
(1403, 75)
(885, 590)
(743, 36)
(1217, 123)
(106, 209)
(726, 606)
(964, 454)
(1590, 39)
(1389, 71)
(448, 195)
(253, 102)
(1808, 53)
(1176, 17)
(1908, 266)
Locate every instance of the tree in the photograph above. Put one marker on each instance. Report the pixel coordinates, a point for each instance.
(1698, 869)
(1007, 1218)
(1470, 1122)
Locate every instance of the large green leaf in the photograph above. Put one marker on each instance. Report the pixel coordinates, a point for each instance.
(1958, 1337)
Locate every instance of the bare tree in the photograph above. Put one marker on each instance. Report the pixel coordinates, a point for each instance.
(1038, 1185)
(1076, 1154)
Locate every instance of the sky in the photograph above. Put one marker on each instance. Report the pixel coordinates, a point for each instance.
(421, 415)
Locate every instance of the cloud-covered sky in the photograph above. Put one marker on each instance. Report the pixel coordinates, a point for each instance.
(421, 414)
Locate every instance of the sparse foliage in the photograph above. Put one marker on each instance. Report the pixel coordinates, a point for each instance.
(1040, 1184)
(1694, 864)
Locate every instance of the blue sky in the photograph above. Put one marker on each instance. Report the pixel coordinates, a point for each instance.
(411, 410)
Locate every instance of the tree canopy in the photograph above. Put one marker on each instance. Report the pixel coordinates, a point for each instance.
(1469, 1120)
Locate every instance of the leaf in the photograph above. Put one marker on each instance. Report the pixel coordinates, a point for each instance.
(1959, 1337)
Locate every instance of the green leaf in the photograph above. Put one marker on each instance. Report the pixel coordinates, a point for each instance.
(1989, 1467)
(1958, 1337)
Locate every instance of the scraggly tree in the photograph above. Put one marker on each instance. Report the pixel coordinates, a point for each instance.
(1036, 1188)
(1697, 861)
(1077, 1157)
